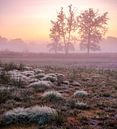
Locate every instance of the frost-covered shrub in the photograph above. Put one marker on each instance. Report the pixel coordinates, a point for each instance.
(28, 68)
(18, 79)
(22, 94)
(50, 78)
(60, 78)
(37, 70)
(4, 94)
(28, 73)
(51, 74)
(41, 85)
(52, 96)
(75, 83)
(4, 77)
(66, 82)
(40, 75)
(9, 66)
(80, 93)
(42, 115)
(73, 75)
(32, 80)
(17, 115)
(36, 114)
(81, 105)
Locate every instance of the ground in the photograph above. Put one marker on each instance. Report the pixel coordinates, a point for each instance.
(101, 103)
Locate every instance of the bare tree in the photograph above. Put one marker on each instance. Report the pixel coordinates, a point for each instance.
(92, 28)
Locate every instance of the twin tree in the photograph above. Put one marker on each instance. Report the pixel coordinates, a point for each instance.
(88, 27)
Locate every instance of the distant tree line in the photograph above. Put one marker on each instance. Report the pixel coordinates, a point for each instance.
(88, 28)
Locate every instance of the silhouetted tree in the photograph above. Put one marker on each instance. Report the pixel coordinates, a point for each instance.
(92, 28)
(70, 29)
(62, 24)
(63, 30)
(55, 45)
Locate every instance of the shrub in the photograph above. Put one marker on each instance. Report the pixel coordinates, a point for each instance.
(21, 67)
(4, 77)
(52, 96)
(81, 105)
(59, 118)
(4, 94)
(80, 93)
(41, 85)
(17, 115)
(38, 71)
(40, 75)
(73, 75)
(18, 79)
(75, 83)
(60, 78)
(36, 114)
(22, 94)
(10, 66)
(42, 115)
(50, 78)
(28, 73)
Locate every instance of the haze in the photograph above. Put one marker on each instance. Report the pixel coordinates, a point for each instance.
(30, 19)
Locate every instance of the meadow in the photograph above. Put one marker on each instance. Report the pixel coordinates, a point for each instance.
(58, 92)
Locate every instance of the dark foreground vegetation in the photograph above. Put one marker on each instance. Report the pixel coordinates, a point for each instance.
(49, 97)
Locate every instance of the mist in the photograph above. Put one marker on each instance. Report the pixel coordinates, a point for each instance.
(108, 45)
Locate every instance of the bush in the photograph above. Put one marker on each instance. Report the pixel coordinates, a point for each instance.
(28, 73)
(36, 114)
(38, 71)
(42, 115)
(60, 78)
(73, 75)
(17, 79)
(80, 93)
(4, 95)
(17, 115)
(52, 96)
(40, 75)
(50, 78)
(41, 85)
(10, 66)
(81, 105)
(4, 77)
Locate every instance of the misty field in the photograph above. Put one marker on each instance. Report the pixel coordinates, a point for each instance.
(58, 94)
(94, 60)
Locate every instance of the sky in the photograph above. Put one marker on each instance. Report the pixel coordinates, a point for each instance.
(30, 19)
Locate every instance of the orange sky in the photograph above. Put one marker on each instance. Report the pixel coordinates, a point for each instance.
(30, 19)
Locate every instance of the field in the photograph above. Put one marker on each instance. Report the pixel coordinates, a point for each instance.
(58, 92)
(106, 60)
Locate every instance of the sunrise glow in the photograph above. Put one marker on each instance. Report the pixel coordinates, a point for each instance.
(30, 19)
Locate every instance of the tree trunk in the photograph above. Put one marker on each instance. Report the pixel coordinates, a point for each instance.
(65, 46)
(66, 49)
(88, 44)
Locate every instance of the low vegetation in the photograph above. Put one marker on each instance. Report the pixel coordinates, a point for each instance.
(86, 99)
(52, 96)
